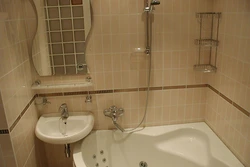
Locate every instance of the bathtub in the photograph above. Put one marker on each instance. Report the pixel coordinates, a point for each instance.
(185, 145)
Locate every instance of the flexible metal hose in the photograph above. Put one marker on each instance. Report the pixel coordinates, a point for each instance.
(149, 43)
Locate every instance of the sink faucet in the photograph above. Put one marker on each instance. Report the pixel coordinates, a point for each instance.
(63, 109)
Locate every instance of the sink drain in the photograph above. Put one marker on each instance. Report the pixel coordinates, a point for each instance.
(143, 164)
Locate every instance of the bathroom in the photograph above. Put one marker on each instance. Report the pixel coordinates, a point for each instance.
(117, 68)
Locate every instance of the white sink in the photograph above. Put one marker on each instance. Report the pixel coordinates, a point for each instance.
(50, 128)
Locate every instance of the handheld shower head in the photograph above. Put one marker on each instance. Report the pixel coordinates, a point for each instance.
(150, 6)
(155, 2)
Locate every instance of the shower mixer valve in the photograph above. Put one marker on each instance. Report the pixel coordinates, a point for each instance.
(113, 112)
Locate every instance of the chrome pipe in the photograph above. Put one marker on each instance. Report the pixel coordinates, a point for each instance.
(67, 150)
(118, 126)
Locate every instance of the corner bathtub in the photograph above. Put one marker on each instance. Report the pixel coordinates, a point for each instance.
(185, 145)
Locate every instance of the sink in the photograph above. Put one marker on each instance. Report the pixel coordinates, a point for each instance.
(50, 128)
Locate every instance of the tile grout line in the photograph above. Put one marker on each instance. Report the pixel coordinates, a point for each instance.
(7, 131)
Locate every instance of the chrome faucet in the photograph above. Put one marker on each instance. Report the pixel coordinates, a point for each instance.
(114, 113)
(150, 6)
(63, 109)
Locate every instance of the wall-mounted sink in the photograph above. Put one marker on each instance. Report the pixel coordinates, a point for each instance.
(51, 128)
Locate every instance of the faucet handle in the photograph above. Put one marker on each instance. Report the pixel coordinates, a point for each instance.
(120, 112)
(113, 108)
(107, 113)
(64, 105)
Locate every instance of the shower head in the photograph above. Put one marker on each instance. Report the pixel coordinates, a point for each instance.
(150, 7)
(155, 2)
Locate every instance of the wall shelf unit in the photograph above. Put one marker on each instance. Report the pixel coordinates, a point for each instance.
(208, 38)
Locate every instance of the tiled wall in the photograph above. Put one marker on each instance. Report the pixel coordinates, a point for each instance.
(232, 79)
(164, 106)
(118, 28)
(27, 147)
(7, 158)
(17, 19)
(115, 65)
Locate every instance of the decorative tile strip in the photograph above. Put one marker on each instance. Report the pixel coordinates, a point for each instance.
(143, 89)
(175, 87)
(241, 109)
(101, 91)
(226, 98)
(213, 89)
(22, 113)
(155, 88)
(75, 93)
(126, 90)
(4, 131)
(197, 86)
(230, 101)
(15, 122)
(50, 94)
(123, 90)
(120, 90)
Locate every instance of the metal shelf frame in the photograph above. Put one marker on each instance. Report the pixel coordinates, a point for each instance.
(208, 42)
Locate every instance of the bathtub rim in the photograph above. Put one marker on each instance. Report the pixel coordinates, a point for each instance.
(217, 147)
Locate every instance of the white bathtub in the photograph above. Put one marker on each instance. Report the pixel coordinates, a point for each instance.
(186, 145)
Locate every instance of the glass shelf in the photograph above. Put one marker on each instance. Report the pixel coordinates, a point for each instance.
(207, 42)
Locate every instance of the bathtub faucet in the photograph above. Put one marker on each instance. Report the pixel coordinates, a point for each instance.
(114, 113)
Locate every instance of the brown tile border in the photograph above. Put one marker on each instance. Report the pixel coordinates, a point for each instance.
(125, 90)
(213, 89)
(22, 113)
(197, 86)
(101, 91)
(122, 90)
(241, 109)
(143, 89)
(50, 94)
(155, 88)
(75, 93)
(230, 101)
(4, 131)
(226, 98)
(175, 87)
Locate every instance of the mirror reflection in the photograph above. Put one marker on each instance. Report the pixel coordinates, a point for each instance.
(60, 41)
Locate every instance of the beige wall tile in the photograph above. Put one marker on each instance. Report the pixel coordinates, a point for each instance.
(3, 121)
(6, 146)
(10, 161)
(230, 124)
(111, 56)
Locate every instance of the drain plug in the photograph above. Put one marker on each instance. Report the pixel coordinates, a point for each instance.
(143, 164)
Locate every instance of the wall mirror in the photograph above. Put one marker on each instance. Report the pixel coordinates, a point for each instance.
(62, 31)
